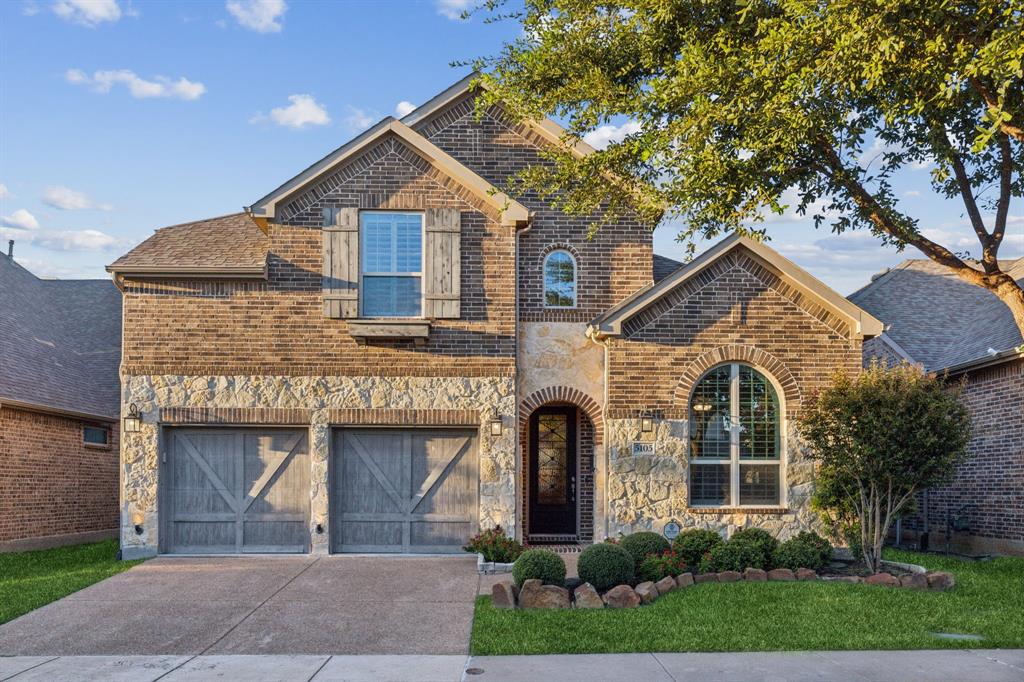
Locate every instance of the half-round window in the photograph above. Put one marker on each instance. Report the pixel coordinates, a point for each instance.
(735, 439)
(559, 280)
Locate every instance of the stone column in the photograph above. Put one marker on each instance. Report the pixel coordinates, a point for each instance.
(319, 453)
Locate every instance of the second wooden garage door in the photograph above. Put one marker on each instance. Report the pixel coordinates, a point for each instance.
(403, 490)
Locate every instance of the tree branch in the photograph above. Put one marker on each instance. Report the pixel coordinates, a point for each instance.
(967, 193)
(1005, 186)
(994, 107)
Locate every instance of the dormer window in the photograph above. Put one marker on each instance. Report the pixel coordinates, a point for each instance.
(559, 280)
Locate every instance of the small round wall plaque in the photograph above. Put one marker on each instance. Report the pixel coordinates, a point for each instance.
(671, 530)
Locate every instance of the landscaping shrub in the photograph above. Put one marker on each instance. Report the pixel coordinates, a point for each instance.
(799, 552)
(764, 540)
(542, 564)
(734, 555)
(605, 565)
(657, 566)
(693, 544)
(495, 546)
(823, 546)
(639, 545)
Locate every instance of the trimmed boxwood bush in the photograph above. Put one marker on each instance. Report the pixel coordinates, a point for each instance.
(764, 541)
(805, 550)
(734, 555)
(823, 546)
(605, 565)
(640, 545)
(542, 564)
(694, 543)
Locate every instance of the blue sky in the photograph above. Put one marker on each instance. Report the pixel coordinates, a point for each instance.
(119, 117)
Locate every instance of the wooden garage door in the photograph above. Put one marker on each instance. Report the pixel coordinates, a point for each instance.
(235, 490)
(403, 490)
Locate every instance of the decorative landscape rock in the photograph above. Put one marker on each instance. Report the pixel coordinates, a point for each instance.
(666, 585)
(684, 579)
(503, 595)
(586, 597)
(730, 576)
(887, 579)
(535, 595)
(647, 592)
(915, 581)
(856, 579)
(755, 575)
(781, 574)
(941, 580)
(705, 578)
(621, 597)
(806, 574)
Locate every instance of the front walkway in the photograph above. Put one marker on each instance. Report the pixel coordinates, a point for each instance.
(846, 666)
(177, 606)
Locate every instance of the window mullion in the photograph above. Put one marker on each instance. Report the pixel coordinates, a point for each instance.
(734, 433)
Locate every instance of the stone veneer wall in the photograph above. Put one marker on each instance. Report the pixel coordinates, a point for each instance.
(140, 456)
(646, 492)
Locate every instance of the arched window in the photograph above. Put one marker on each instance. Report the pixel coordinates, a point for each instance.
(735, 439)
(559, 280)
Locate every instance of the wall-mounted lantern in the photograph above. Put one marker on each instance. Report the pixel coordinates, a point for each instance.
(133, 422)
(646, 422)
(495, 423)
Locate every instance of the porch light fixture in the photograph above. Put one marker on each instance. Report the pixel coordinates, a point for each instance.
(496, 426)
(646, 422)
(133, 422)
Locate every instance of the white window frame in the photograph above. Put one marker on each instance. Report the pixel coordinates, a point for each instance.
(423, 248)
(575, 280)
(735, 428)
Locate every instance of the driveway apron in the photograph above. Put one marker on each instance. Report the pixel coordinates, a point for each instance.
(260, 605)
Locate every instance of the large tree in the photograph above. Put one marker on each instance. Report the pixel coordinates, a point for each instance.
(738, 106)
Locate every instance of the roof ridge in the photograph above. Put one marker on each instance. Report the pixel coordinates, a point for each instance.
(203, 220)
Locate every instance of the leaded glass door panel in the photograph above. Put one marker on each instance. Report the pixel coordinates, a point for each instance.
(553, 471)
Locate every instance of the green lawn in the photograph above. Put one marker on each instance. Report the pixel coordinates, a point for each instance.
(988, 601)
(29, 580)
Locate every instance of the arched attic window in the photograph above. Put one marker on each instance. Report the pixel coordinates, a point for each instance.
(559, 280)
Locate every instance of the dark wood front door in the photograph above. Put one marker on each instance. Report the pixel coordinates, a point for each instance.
(553, 471)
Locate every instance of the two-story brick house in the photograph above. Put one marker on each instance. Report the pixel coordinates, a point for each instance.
(386, 354)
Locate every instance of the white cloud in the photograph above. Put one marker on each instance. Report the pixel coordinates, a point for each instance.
(262, 16)
(358, 119)
(603, 136)
(20, 219)
(4, 192)
(68, 240)
(453, 9)
(89, 13)
(68, 199)
(160, 86)
(404, 108)
(911, 193)
(30, 9)
(303, 111)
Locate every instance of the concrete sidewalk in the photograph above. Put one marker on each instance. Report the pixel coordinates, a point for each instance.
(980, 665)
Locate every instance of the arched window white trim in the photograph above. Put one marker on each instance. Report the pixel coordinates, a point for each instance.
(737, 439)
(560, 277)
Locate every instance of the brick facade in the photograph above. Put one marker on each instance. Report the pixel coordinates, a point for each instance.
(51, 483)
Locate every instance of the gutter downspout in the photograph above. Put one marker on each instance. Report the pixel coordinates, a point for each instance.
(594, 335)
(520, 513)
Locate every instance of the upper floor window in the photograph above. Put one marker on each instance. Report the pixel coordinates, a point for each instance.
(735, 439)
(96, 435)
(559, 280)
(391, 266)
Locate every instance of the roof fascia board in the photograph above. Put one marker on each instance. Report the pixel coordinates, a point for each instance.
(59, 411)
(900, 350)
(513, 213)
(864, 325)
(208, 272)
(439, 101)
(979, 363)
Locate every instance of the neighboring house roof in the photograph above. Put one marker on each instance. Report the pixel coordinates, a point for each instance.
(664, 266)
(228, 246)
(60, 343)
(610, 323)
(939, 319)
(513, 213)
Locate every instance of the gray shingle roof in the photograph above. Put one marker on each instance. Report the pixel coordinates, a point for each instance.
(60, 342)
(230, 241)
(664, 266)
(938, 318)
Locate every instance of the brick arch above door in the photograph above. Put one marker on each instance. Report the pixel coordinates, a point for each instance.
(750, 355)
(562, 394)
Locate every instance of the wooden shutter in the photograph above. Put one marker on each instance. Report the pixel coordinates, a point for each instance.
(341, 264)
(442, 263)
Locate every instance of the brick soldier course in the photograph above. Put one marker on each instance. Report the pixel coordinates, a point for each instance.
(258, 329)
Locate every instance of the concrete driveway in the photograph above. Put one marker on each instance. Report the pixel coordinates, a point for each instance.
(261, 605)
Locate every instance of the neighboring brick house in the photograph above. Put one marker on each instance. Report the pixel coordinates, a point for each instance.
(60, 345)
(386, 353)
(951, 327)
